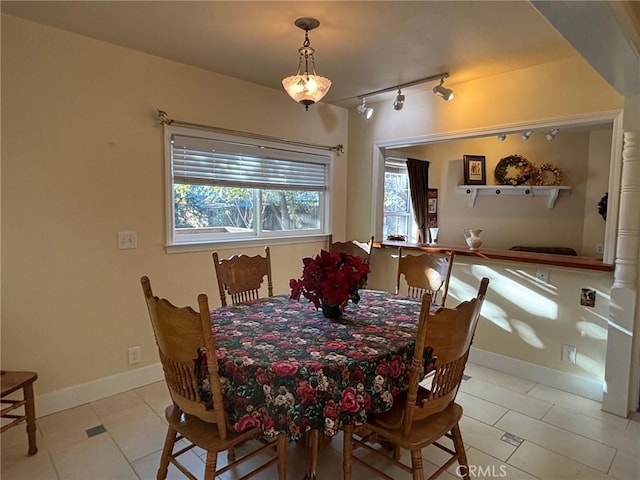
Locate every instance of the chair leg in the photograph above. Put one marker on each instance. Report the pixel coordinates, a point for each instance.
(462, 455)
(210, 466)
(30, 412)
(282, 456)
(167, 451)
(347, 451)
(416, 464)
(231, 454)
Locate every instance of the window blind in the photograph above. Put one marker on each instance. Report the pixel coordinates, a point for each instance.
(197, 160)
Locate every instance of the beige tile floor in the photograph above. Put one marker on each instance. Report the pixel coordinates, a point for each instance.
(512, 428)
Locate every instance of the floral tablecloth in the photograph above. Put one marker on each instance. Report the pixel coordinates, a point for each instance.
(287, 368)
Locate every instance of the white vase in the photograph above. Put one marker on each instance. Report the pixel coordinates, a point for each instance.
(433, 234)
(472, 237)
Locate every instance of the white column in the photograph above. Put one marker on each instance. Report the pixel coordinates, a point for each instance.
(621, 371)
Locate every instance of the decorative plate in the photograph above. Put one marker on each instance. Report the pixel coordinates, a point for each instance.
(514, 170)
(548, 175)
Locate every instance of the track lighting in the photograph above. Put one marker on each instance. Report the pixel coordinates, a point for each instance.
(442, 91)
(502, 137)
(525, 135)
(398, 103)
(552, 134)
(366, 112)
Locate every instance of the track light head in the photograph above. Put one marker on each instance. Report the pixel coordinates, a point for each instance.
(398, 103)
(366, 112)
(443, 92)
(552, 134)
(525, 135)
(502, 137)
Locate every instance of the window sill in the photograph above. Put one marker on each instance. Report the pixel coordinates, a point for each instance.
(570, 261)
(237, 243)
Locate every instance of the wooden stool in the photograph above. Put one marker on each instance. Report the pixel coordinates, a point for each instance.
(11, 382)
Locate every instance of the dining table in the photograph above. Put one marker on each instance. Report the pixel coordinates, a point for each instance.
(286, 368)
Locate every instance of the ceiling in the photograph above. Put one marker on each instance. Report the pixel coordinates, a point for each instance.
(361, 46)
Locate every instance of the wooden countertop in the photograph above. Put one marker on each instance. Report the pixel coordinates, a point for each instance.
(569, 261)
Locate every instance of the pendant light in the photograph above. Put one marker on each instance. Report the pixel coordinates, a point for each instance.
(306, 87)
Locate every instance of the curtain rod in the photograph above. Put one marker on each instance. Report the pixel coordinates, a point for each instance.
(165, 120)
(440, 76)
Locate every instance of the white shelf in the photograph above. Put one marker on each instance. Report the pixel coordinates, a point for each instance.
(524, 190)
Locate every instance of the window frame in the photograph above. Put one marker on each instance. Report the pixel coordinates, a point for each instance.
(202, 239)
(400, 164)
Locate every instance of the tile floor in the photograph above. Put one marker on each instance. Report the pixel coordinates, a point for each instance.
(512, 428)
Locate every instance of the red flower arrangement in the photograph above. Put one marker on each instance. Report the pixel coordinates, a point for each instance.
(332, 278)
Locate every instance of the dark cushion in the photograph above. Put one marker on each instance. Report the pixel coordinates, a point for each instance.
(553, 250)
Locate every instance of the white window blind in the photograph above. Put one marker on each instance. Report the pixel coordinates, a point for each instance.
(215, 162)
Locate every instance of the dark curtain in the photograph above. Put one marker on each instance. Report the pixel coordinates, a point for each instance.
(418, 171)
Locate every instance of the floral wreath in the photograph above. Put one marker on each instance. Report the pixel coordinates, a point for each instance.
(542, 177)
(602, 205)
(514, 170)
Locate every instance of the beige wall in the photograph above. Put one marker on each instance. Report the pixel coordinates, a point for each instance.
(510, 326)
(597, 184)
(523, 318)
(522, 220)
(555, 90)
(82, 160)
(82, 157)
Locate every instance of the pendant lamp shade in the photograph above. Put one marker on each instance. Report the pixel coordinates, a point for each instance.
(306, 86)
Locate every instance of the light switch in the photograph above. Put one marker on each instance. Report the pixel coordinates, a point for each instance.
(127, 240)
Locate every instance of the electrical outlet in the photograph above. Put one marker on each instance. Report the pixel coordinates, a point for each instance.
(134, 355)
(599, 249)
(127, 240)
(569, 353)
(542, 275)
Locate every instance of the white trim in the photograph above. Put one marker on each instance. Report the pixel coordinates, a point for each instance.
(70, 397)
(536, 373)
(570, 121)
(613, 197)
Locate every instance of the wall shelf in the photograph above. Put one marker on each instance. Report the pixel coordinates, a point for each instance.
(524, 190)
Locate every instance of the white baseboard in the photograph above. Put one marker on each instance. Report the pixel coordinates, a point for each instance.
(536, 373)
(104, 387)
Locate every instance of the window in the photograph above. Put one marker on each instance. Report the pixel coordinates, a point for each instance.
(398, 212)
(226, 188)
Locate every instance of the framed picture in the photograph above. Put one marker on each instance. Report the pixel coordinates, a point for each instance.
(432, 207)
(474, 170)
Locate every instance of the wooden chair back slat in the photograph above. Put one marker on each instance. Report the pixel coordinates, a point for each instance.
(449, 333)
(354, 247)
(424, 273)
(241, 276)
(182, 335)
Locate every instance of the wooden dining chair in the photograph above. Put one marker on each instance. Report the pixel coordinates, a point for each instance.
(11, 382)
(421, 417)
(424, 273)
(353, 247)
(197, 414)
(241, 276)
